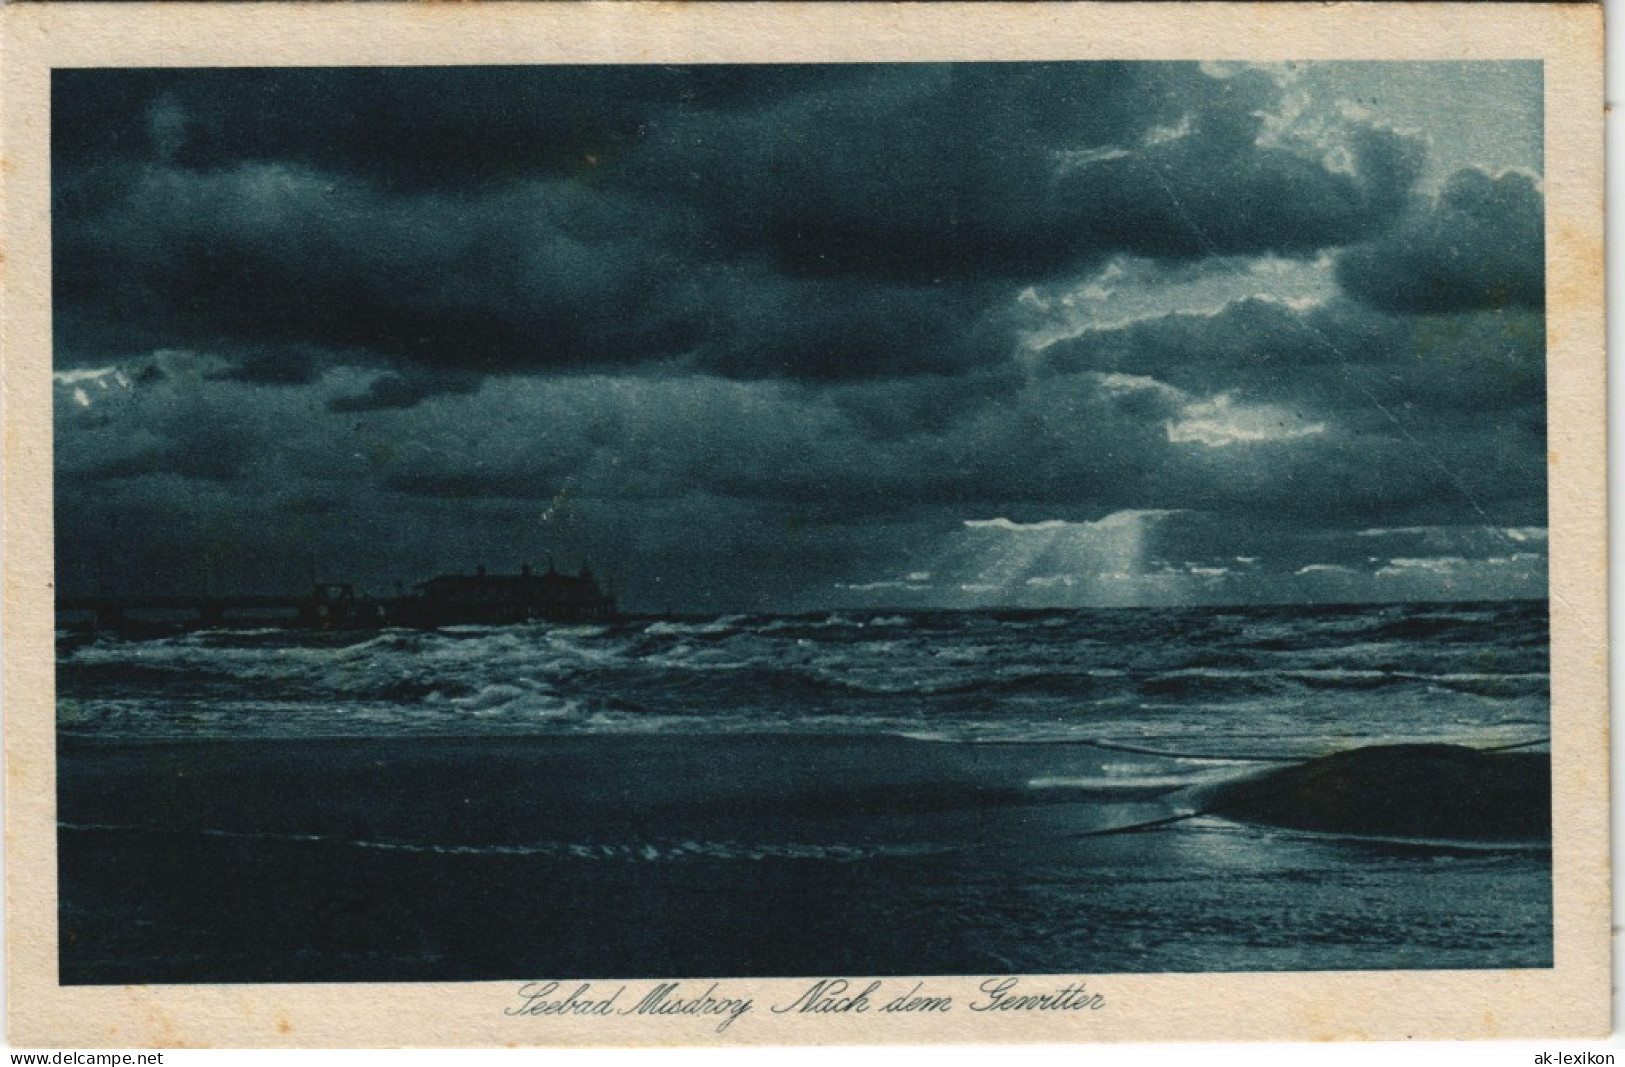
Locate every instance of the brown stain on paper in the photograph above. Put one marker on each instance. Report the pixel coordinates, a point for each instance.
(160, 1031)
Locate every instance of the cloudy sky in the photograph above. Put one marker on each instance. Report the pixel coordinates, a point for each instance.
(792, 338)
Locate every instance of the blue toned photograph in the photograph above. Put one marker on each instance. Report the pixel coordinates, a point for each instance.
(582, 522)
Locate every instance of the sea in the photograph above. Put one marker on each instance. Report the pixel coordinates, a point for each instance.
(869, 792)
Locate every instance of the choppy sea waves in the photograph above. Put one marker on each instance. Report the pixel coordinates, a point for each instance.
(856, 793)
(1220, 682)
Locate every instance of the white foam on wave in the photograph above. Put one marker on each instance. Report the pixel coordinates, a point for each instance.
(967, 678)
(1218, 824)
(528, 699)
(1112, 784)
(716, 626)
(630, 851)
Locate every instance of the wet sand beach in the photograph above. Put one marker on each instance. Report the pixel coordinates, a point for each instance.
(764, 855)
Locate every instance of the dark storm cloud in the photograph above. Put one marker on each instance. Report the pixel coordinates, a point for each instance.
(1324, 358)
(834, 329)
(1013, 172)
(391, 390)
(746, 331)
(1245, 335)
(1403, 475)
(283, 367)
(1479, 245)
(1331, 414)
(410, 129)
(1061, 446)
(541, 276)
(265, 254)
(1100, 430)
(193, 460)
(598, 465)
(820, 223)
(189, 436)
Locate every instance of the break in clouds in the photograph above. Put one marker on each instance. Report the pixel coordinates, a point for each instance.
(787, 338)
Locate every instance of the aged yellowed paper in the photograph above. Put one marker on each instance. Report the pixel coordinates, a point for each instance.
(633, 524)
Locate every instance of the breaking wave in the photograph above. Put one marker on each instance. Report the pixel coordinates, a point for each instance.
(1129, 676)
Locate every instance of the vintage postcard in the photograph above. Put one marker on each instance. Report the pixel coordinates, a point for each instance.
(680, 524)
